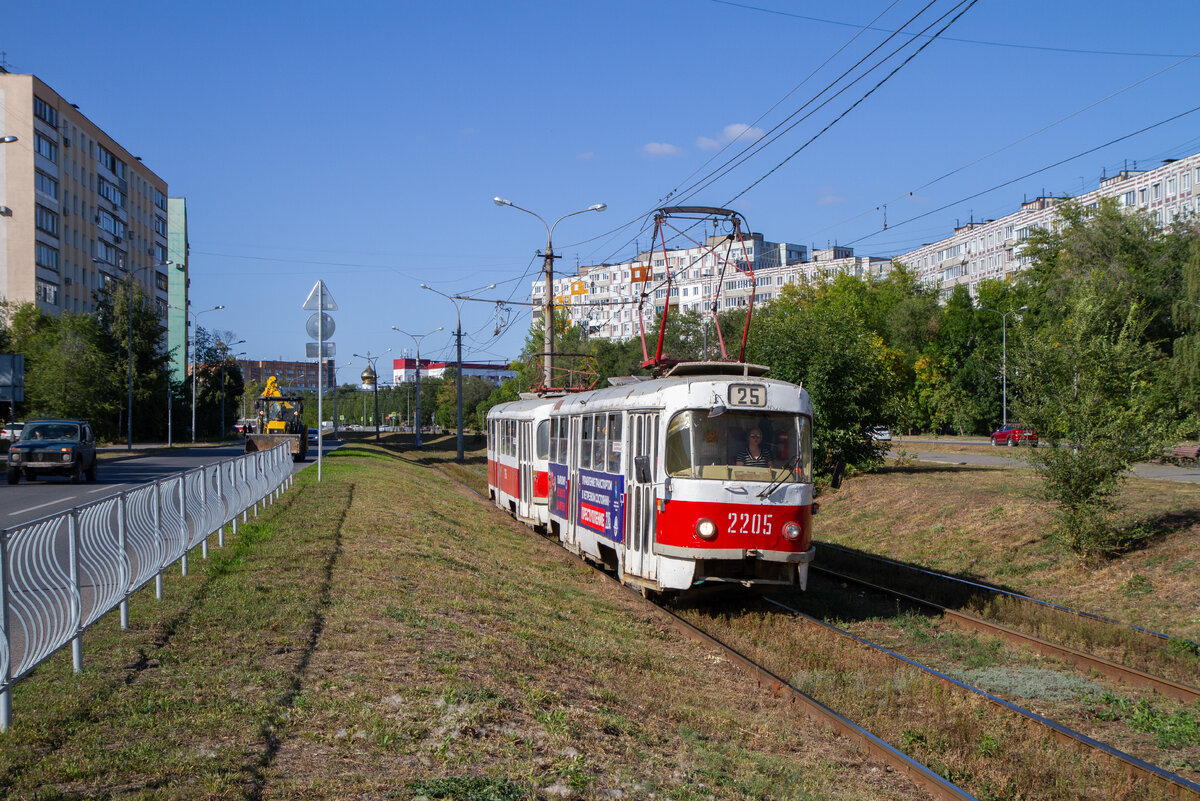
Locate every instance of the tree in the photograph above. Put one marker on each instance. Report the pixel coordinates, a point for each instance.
(1089, 384)
(151, 361)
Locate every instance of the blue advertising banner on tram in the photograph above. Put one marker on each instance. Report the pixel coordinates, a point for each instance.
(558, 491)
(602, 504)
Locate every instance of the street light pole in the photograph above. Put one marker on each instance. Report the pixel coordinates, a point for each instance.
(548, 268)
(225, 346)
(195, 365)
(336, 388)
(1004, 359)
(417, 339)
(120, 265)
(458, 301)
(371, 360)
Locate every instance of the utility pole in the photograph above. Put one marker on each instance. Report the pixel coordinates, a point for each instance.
(547, 323)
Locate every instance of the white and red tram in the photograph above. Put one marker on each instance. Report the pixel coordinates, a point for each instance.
(648, 476)
(517, 453)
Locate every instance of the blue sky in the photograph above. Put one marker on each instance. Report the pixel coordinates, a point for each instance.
(361, 143)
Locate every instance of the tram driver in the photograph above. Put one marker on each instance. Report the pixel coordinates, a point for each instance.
(756, 453)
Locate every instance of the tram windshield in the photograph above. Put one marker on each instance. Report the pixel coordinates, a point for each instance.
(740, 446)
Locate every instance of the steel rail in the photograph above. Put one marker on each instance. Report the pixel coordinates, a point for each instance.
(1175, 785)
(897, 760)
(1081, 659)
(1006, 593)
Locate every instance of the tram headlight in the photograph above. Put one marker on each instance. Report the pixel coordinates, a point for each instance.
(706, 529)
(792, 531)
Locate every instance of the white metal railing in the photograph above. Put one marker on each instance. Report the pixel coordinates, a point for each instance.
(62, 573)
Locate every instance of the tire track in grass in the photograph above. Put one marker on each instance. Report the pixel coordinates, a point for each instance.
(256, 772)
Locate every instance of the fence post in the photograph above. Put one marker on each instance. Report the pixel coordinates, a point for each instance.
(204, 506)
(221, 500)
(76, 603)
(183, 526)
(6, 678)
(162, 539)
(122, 523)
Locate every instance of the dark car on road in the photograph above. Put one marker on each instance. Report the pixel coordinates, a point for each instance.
(1014, 434)
(53, 448)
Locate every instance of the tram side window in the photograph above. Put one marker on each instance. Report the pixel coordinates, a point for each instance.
(543, 440)
(585, 442)
(614, 443)
(599, 442)
(510, 437)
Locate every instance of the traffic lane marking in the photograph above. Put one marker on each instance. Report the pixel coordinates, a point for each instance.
(41, 505)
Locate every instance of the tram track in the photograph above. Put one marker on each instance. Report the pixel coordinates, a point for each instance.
(1138, 779)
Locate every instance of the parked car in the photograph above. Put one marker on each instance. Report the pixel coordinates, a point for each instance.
(11, 432)
(312, 435)
(1014, 434)
(880, 434)
(53, 447)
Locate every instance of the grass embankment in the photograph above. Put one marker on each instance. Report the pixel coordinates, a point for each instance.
(383, 635)
(988, 524)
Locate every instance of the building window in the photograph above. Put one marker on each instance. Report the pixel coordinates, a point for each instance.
(1170, 186)
(109, 223)
(1157, 191)
(107, 254)
(160, 225)
(46, 220)
(45, 147)
(160, 253)
(160, 200)
(1130, 198)
(45, 184)
(160, 280)
(110, 192)
(46, 256)
(1142, 196)
(46, 292)
(107, 159)
(45, 112)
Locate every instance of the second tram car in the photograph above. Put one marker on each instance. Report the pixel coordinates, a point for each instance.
(673, 482)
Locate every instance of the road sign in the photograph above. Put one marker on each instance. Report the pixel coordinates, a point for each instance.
(319, 299)
(320, 326)
(328, 350)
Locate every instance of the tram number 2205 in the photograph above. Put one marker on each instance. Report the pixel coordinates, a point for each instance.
(747, 395)
(749, 523)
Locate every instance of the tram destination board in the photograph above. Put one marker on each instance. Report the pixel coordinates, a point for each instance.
(753, 395)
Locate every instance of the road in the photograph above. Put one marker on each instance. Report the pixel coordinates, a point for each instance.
(31, 500)
(1006, 457)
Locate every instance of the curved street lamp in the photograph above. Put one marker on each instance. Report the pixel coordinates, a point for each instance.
(373, 375)
(7, 140)
(120, 265)
(548, 314)
(417, 339)
(1004, 358)
(458, 301)
(195, 329)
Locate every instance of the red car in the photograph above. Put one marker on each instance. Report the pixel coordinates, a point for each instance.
(1013, 434)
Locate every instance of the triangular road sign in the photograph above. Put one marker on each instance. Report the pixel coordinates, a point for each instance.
(319, 299)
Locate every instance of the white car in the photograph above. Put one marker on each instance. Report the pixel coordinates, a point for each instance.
(11, 432)
(880, 434)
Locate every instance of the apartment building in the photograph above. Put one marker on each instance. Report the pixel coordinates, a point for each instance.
(77, 210)
(991, 249)
(291, 376)
(607, 299)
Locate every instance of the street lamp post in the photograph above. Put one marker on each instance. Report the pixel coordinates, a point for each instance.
(1004, 358)
(120, 265)
(195, 331)
(336, 388)
(225, 346)
(417, 339)
(549, 257)
(373, 375)
(458, 301)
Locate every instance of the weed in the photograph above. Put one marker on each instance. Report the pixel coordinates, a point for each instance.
(1137, 586)
(469, 788)
(1174, 729)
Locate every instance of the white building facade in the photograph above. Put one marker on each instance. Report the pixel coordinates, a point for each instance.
(992, 249)
(605, 299)
(405, 370)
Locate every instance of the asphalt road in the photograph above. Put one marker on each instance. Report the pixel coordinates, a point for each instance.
(31, 500)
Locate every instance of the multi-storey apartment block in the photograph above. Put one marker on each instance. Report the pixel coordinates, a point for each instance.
(992, 249)
(405, 370)
(77, 210)
(291, 376)
(605, 299)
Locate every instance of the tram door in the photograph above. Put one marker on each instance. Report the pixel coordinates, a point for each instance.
(570, 537)
(640, 521)
(525, 459)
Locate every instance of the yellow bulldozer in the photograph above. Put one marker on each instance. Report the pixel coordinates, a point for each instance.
(278, 420)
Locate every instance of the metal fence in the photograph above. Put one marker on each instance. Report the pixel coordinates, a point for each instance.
(60, 574)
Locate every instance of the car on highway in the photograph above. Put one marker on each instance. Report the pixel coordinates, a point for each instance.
(880, 434)
(11, 432)
(312, 435)
(53, 448)
(1014, 434)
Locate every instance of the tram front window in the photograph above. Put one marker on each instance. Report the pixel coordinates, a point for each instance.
(740, 446)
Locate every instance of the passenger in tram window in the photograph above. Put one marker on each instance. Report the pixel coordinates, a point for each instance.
(756, 453)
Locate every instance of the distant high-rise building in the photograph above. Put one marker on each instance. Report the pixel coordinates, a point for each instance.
(77, 210)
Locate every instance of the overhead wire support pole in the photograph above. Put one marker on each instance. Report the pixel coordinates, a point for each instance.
(458, 301)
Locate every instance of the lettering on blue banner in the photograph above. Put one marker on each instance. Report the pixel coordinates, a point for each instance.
(602, 504)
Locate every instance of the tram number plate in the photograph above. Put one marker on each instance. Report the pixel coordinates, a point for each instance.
(747, 395)
(752, 524)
